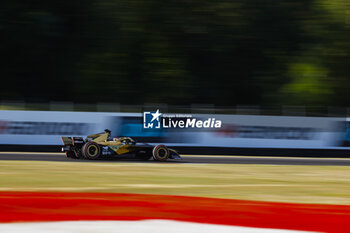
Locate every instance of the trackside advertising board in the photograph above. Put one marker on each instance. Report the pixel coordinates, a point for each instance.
(46, 127)
(276, 132)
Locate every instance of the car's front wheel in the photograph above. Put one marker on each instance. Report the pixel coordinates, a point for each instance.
(160, 153)
(91, 150)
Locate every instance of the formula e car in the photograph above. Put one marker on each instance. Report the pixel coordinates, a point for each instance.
(100, 145)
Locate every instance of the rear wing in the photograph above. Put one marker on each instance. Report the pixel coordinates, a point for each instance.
(67, 141)
(72, 141)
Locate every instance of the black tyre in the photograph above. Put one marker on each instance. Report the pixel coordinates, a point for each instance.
(160, 153)
(70, 154)
(91, 150)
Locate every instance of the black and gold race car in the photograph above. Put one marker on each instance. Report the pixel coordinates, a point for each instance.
(100, 145)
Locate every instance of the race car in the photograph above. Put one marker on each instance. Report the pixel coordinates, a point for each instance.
(100, 145)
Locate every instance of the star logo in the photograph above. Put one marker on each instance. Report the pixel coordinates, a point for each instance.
(156, 115)
(151, 120)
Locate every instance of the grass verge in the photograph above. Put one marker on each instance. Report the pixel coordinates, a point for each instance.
(282, 183)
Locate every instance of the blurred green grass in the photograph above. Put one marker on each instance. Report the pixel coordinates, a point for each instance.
(282, 183)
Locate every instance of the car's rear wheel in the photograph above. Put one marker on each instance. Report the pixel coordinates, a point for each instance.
(91, 150)
(160, 153)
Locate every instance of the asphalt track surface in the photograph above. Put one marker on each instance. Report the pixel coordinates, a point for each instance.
(60, 157)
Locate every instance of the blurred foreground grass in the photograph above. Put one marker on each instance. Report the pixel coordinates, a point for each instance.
(304, 184)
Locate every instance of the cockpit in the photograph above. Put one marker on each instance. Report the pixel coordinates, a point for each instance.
(124, 140)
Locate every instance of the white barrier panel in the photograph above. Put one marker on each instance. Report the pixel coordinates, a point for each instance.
(245, 132)
(46, 127)
(276, 132)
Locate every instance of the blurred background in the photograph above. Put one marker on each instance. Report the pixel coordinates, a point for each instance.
(224, 53)
(275, 72)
